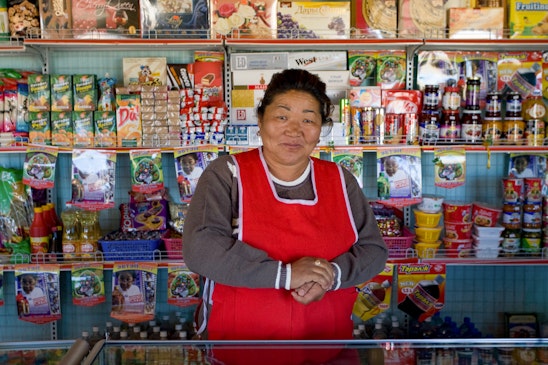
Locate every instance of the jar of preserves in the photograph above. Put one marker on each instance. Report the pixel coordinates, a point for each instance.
(531, 241)
(451, 98)
(532, 216)
(533, 107)
(511, 216)
(472, 101)
(493, 104)
(511, 241)
(429, 126)
(513, 104)
(471, 129)
(450, 128)
(431, 97)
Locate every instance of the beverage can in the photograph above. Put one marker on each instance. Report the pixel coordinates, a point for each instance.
(411, 128)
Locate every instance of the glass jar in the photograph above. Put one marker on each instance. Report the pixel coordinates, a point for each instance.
(513, 104)
(451, 98)
(471, 129)
(431, 97)
(513, 130)
(531, 241)
(472, 101)
(493, 104)
(511, 241)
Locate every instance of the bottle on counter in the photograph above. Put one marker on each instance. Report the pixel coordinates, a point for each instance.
(39, 233)
(95, 336)
(89, 235)
(71, 234)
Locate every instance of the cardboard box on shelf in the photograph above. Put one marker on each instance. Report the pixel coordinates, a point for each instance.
(527, 19)
(258, 61)
(375, 18)
(476, 23)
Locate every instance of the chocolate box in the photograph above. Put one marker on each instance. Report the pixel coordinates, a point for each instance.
(527, 19)
(425, 18)
(375, 18)
(23, 16)
(101, 19)
(313, 19)
(145, 71)
(55, 19)
(476, 23)
(243, 19)
(175, 19)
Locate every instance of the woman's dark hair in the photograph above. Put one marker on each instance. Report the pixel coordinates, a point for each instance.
(299, 80)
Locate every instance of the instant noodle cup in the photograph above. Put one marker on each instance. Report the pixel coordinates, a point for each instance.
(458, 231)
(427, 250)
(457, 212)
(431, 203)
(428, 235)
(484, 215)
(429, 220)
(512, 190)
(532, 190)
(457, 248)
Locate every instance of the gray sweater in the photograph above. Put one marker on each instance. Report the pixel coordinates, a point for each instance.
(211, 247)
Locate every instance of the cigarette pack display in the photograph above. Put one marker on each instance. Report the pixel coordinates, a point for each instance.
(258, 61)
(174, 19)
(318, 61)
(55, 19)
(526, 19)
(101, 19)
(252, 79)
(244, 102)
(243, 19)
(313, 19)
(145, 71)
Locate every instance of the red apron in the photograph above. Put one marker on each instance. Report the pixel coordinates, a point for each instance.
(287, 230)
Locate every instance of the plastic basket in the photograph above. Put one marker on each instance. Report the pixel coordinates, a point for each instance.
(136, 250)
(173, 243)
(398, 246)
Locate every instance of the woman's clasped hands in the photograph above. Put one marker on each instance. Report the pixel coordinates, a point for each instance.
(311, 278)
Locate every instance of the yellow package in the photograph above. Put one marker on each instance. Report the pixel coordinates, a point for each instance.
(528, 19)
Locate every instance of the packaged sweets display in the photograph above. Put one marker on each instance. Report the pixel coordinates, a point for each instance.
(174, 19)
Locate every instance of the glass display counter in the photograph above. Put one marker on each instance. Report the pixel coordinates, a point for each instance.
(34, 352)
(420, 352)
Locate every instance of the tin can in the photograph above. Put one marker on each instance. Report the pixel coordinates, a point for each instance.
(511, 216)
(471, 126)
(532, 216)
(411, 128)
(472, 101)
(493, 104)
(531, 241)
(513, 129)
(535, 132)
(366, 130)
(492, 129)
(393, 130)
(513, 104)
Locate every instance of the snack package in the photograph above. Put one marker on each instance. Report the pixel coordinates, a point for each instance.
(84, 92)
(106, 94)
(134, 291)
(144, 216)
(23, 16)
(183, 286)
(174, 19)
(39, 167)
(88, 284)
(190, 162)
(40, 128)
(399, 176)
(146, 170)
(421, 289)
(93, 178)
(374, 296)
(37, 293)
(105, 128)
(129, 130)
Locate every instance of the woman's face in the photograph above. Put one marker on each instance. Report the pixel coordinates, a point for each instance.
(290, 128)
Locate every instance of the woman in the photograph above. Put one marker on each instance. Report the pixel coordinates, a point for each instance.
(282, 236)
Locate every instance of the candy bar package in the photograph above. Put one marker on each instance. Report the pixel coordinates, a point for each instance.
(175, 19)
(101, 20)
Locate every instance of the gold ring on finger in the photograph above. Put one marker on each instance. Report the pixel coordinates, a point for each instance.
(317, 262)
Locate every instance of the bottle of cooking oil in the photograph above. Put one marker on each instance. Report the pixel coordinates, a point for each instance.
(71, 234)
(89, 235)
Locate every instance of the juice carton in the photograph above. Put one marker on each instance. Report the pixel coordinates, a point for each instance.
(105, 129)
(40, 130)
(83, 129)
(39, 93)
(61, 92)
(61, 129)
(84, 92)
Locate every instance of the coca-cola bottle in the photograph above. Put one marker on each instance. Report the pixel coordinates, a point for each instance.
(422, 298)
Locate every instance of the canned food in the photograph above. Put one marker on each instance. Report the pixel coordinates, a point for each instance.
(513, 130)
(429, 126)
(492, 129)
(511, 216)
(532, 216)
(532, 190)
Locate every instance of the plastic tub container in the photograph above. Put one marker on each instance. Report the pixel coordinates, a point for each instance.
(458, 231)
(457, 248)
(480, 242)
(485, 215)
(427, 250)
(487, 232)
(428, 235)
(486, 253)
(431, 203)
(455, 211)
(428, 220)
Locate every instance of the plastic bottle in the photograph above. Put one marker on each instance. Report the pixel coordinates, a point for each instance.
(383, 186)
(155, 335)
(108, 329)
(176, 333)
(426, 356)
(116, 333)
(467, 328)
(89, 236)
(124, 335)
(422, 298)
(39, 233)
(135, 333)
(379, 333)
(85, 336)
(71, 234)
(396, 332)
(95, 336)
